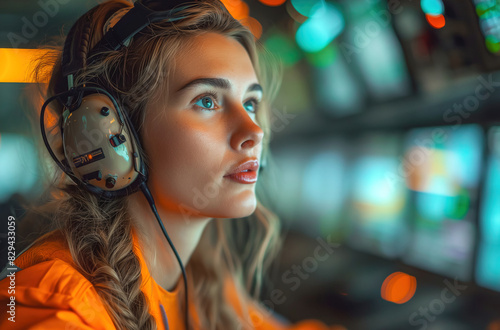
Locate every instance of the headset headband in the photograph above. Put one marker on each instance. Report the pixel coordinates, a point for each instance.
(136, 19)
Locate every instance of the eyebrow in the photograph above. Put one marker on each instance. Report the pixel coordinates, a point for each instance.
(218, 83)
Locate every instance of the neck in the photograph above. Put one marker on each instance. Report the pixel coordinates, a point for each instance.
(159, 257)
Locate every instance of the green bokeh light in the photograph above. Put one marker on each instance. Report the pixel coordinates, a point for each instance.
(324, 57)
(493, 44)
(282, 46)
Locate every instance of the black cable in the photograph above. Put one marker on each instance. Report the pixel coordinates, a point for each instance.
(149, 197)
(44, 136)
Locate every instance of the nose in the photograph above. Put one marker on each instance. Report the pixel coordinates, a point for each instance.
(247, 134)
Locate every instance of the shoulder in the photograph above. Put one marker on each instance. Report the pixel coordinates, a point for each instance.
(53, 292)
(46, 291)
(51, 246)
(51, 283)
(45, 274)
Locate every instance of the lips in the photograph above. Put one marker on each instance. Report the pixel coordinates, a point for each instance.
(245, 173)
(246, 166)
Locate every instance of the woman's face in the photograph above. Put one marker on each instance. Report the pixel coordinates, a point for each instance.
(202, 127)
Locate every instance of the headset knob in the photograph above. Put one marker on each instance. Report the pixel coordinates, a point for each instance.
(105, 111)
(110, 182)
(117, 139)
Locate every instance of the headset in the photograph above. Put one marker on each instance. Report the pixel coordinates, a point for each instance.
(102, 151)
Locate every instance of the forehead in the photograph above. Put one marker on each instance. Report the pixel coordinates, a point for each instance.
(212, 55)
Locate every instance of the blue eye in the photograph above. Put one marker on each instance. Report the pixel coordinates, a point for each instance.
(206, 102)
(253, 105)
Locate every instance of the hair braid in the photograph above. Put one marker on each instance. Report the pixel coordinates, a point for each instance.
(85, 44)
(102, 248)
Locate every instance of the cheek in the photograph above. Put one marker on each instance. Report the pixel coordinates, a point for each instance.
(182, 158)
(183, 143)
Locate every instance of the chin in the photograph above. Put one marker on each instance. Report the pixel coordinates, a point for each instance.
(237, 210)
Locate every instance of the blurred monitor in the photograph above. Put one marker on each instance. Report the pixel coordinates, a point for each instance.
(443, 166)
(338, 90)
(287, 171)
(312, 179)
(483, 23)
(364, 65)
(488, 15)
(372, 50)
(378, 196)
(324, 188)
(487, 264)
(20, 168)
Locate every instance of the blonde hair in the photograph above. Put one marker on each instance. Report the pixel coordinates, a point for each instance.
(98, 232)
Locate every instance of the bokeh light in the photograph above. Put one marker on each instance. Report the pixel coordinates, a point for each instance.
(432, 7)
(324, 57)
(483, 8)
(253, 25)
(298, 17)
(17, 64)
(282, 46)
(237, 8)
(18, 161)
(399, 287)
(436, 21)
(320, 29)
(493, 44)
(306, 7)
(494, 325)
(273, 3)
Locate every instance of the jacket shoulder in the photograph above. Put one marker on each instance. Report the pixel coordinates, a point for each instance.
(50, 246)
(48, 290)
(53, 294)
(54, 277)
(46, 266)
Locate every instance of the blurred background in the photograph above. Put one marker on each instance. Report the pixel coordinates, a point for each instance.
(386, 153)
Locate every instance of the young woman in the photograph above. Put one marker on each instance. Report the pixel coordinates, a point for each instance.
(196, 95)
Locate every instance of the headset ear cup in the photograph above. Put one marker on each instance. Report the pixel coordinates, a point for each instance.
(98, 145)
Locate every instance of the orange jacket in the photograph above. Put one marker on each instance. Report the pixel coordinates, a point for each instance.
(49, 293)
